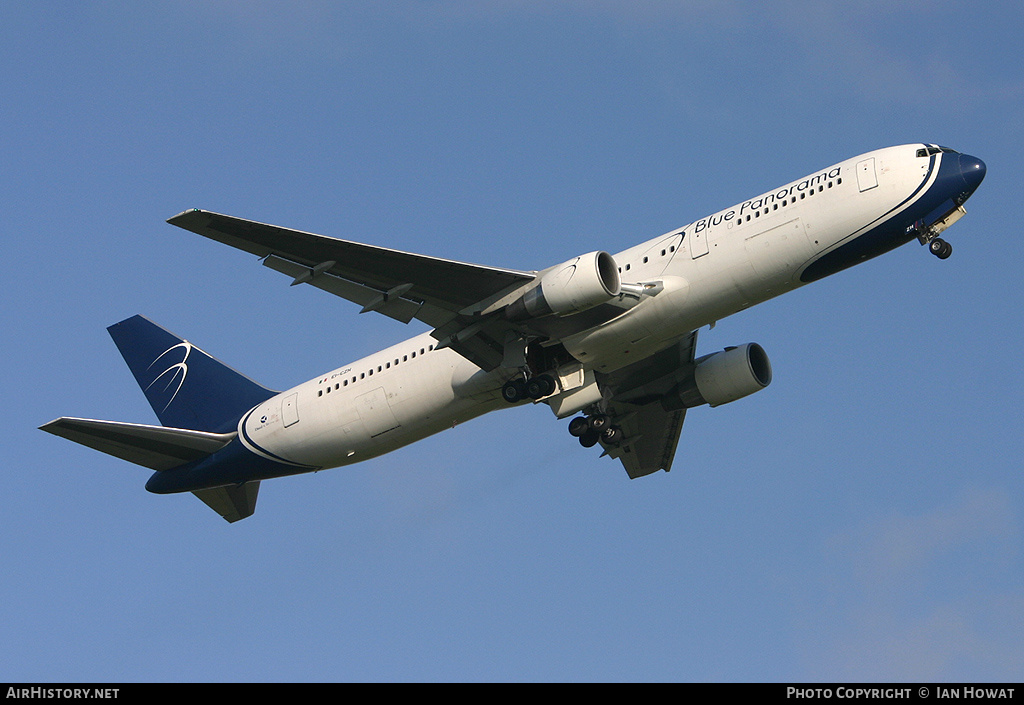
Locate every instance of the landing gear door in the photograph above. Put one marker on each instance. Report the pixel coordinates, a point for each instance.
(866, 178)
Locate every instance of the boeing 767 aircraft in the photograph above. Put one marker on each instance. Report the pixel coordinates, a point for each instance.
(608, 340)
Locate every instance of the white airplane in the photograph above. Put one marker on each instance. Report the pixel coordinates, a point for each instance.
(608, 340)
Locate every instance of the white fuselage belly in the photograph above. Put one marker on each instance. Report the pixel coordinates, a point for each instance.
(373, 406)
(710, 269)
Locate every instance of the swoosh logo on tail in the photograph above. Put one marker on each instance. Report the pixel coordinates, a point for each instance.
(175, 373)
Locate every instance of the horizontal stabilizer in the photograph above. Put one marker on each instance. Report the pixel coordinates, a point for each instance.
(234, 502)
(154, 447)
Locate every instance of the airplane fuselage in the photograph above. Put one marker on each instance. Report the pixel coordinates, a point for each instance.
(608, 338)
(711, 268)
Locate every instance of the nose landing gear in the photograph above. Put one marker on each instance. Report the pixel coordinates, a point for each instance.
(940, 248)
(930, 235)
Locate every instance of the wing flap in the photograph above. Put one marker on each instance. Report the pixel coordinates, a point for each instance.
(651, 435)
(391, 303)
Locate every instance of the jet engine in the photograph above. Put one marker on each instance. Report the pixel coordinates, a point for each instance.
(581, 283)
(722, 377)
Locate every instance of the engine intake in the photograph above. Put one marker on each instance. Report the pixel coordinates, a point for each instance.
(722, 377)
(573, 286)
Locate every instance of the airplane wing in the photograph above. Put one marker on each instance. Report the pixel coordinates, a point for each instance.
(398, 284)
(650, 432)
(651, 436)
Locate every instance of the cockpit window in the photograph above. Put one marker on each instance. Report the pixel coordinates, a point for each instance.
(934, 149)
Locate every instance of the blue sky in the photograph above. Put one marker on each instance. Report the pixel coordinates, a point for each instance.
(861, 519)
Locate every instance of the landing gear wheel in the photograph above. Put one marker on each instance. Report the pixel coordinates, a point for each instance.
(590, 438)
(612, 435)
(599, 422)
(940, 248)
(540, 386)
(578, 426)
(513, 391)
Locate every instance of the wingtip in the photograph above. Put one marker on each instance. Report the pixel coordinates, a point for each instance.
(51, 425)
(191, 212)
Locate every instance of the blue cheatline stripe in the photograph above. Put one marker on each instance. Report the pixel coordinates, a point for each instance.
(254, 447)
(232, 465)
(888, 231)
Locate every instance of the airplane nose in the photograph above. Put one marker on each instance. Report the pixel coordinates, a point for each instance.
(972, 170)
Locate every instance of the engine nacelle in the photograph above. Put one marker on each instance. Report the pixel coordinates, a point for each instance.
(581, 283)
(722, 377)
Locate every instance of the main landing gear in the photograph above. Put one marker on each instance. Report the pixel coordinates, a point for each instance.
(588, 429)
(517, 389)
(591, 429)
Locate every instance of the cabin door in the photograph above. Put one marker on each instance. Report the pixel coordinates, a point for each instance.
(866, 178)
(290, 410)
(699, 243)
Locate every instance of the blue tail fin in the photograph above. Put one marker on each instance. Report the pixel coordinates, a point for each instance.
(185, 386)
